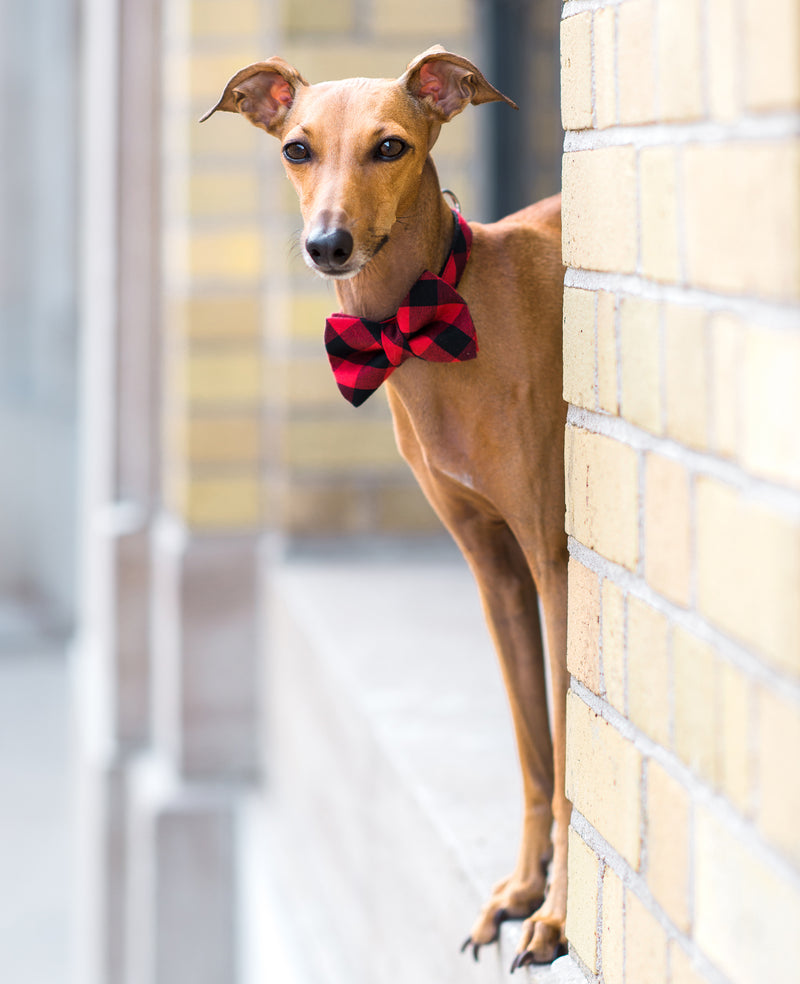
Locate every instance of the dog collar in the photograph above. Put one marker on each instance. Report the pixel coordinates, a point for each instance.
(432, 323)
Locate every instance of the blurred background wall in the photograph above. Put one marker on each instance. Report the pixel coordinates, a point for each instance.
(38, 319)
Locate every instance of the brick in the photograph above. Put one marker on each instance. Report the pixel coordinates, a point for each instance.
(401, 507)
(668, 844)
(680, 75)
(667, 530)
(579, 348)
(576, 71)
(340, 506)
(635, 61)
(602, 495)
(212, 20)
(696, 704)
(224, 378)
(217, 316)
(771, 404)
(339, 445)
(599, 211)
(302, 383)
(583, 626)
(682, 969)
(317, 16)
(748, 572)
(648, 671)
(224, 193)
(605, 59)
(614, 617)
(645, 944)
(613, 928)
(659, 214)
(228, 137)
(724, 61)
(421, 20)
(307, 313)
(734, 738)
(746, 910)
(223, 502)
(318, 59)
(686, 374)
(607, 390)
(778, 781)
(726, 248)
(604, 778)
(208, 71)
(233, 256)
(771, 55)
(640, 354)
(582, 900)
(727, 359)
(224, 439)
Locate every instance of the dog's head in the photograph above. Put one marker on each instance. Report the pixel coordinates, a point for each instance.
(355, 149)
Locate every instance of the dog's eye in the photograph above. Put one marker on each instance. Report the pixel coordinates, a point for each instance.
(391, 149)
(296, 152)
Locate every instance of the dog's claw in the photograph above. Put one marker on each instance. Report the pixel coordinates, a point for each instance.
(499, 917)
(475, 947)
(522, 960)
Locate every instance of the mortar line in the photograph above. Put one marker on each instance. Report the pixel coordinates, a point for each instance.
(598, 926)
(750, 128)
(633, 882)
(782, 315)
(716, 804)
(781, 498)
(694, 623)
(572, 7)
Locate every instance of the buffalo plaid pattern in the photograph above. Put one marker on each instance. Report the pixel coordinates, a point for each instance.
(433, 323)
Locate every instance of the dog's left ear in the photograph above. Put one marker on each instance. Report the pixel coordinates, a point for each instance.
(445, 83)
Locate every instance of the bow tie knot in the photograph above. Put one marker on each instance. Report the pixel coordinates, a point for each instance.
(432, 323)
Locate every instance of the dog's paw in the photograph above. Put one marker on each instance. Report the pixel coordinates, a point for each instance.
(509, 900)
(482, 934)
(540, 943)
(542, 938)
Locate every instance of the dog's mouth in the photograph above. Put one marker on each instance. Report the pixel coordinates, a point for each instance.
(340, 267)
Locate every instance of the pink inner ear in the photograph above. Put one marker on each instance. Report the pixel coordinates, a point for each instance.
(282, 92)
(430, 83)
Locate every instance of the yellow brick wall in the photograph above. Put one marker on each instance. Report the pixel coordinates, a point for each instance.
(681, 181)
(213, 258)
(257, 433)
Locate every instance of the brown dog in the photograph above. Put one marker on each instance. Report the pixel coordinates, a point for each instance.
(485, 437)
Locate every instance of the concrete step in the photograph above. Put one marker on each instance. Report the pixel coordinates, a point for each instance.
(394, 793)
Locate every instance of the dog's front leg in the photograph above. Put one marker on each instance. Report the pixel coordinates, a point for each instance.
(503, 572)
(510, 602)
(543, 932)
(537, 886)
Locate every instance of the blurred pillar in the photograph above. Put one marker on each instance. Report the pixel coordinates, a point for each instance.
(172, 500)
(119, 306)
(38, 336)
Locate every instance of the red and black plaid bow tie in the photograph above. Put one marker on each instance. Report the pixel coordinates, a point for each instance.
(433, 322)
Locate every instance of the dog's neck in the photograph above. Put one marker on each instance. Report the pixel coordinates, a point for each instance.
(420, 240)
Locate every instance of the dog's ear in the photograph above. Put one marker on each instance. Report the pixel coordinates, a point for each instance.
(262, 92)
(445, 83)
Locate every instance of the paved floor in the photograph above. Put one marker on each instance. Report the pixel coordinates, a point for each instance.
(36, 829)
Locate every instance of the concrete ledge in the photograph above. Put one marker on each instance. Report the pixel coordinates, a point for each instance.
(393, 777)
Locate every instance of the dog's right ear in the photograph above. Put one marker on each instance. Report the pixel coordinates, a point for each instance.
(262, 92)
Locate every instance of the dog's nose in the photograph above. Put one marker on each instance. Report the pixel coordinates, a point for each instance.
(330, 248)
